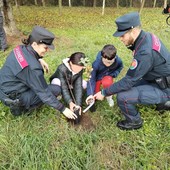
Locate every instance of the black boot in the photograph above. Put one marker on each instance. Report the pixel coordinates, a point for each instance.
(162, 107)
(16, 111)
(130, 125)
(93, 108)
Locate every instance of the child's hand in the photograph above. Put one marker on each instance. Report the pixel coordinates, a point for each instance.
(78, 108)
(90, 99)
(72, 106)
(99, 96)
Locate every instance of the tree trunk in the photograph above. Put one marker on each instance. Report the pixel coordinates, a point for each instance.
(84, 2)
(103, 7)
(117, 3)
(69, 2)
(154, 4)
(126, 3)
(9, 22)
(60, 6)
(43, 3)
(165, 3)
(94, 3)
(142, 5)
(131, 3)
(16, 3)
(36, 3)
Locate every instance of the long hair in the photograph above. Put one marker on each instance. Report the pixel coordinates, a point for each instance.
(30, 40)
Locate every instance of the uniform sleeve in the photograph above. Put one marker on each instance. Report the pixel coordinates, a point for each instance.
(139, 67)
(34, 79)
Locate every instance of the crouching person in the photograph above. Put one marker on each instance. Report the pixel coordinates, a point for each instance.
(22, 83)
(69, 76)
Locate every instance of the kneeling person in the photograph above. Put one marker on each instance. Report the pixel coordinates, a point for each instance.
(22, 83)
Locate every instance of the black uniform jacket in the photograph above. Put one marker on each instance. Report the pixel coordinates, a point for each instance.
(20, 75)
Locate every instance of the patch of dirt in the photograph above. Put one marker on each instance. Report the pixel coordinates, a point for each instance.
(14, 40)
(86, 122)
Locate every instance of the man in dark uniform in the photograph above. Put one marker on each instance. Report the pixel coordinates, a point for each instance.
(22, 82)
(148, 79)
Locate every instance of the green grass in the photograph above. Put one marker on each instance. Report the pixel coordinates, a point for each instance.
(46, 141)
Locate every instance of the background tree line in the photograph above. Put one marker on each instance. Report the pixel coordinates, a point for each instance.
(90, 3)
(9, 22)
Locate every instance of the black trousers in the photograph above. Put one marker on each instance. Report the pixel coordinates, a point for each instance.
(30, 101)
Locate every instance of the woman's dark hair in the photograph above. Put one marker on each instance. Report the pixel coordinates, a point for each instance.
(109, 52)
(30, 40)
(77, 58)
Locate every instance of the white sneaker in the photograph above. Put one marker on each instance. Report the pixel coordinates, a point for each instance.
(110, 101)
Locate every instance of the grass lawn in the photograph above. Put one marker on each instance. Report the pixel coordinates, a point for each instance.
(46, 141)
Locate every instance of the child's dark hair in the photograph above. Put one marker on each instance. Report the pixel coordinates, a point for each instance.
(109, 52)
(77, 57)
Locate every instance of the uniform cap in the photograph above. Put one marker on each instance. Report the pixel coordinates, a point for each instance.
(126, 22)
(42, 35)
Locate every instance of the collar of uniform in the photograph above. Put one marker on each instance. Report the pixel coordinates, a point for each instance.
(135, 44)
(31, 50)
(139, 39)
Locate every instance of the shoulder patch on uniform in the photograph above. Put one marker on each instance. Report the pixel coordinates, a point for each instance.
(134, 64)
(156, 44)
(20, 57)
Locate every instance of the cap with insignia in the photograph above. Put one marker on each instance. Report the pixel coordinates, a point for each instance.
(42, 35)
(126, 22)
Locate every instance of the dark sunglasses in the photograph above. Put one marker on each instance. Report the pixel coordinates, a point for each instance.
(108, 58)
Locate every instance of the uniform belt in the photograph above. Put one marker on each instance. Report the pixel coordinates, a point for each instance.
(151, 81)
(163, 82)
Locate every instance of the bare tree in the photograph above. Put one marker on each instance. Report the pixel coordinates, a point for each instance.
(103, 7)
(84, 2)
(60, 6)
(165, 3)
(9, 22)
(142, 5)
(69, 2)
(154, 4)
(36, 3)
(16, 3)
(60, 3)
(43, 3)
(94, 3)
(117, 3)
(131, 3)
